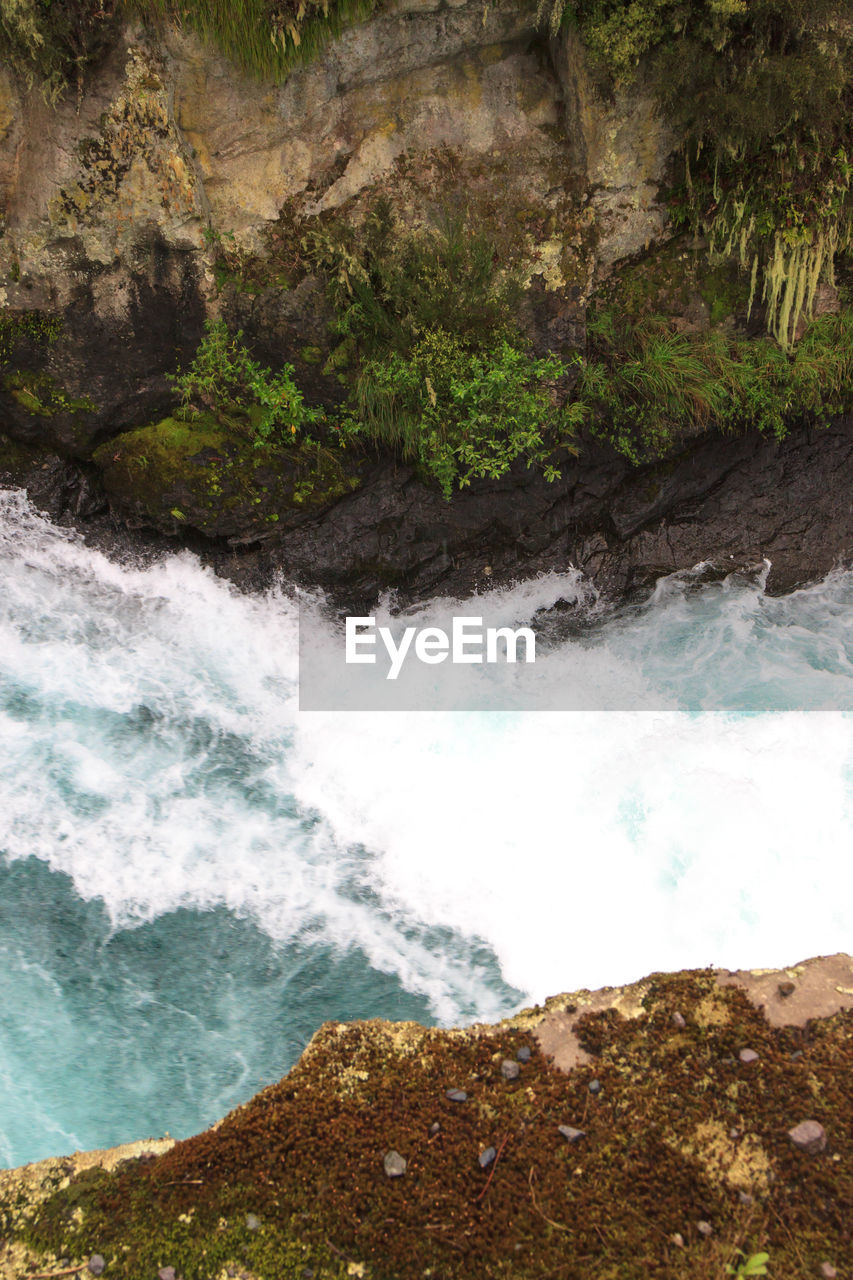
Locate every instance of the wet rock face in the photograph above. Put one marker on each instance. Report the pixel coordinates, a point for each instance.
(730, 503)
(122, 330)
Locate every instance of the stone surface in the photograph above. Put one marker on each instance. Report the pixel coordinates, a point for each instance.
(571, 1134)
(394, 1164)
(485, 1158)
(456, 1095)
(808, 1136)
(510, 1070)
(748, 1056)
(96, 1264)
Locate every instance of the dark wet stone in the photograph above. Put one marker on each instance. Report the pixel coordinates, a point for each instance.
(394, 1164)
(524, 1054)
(435, 1128)
(485, 1158)
(595, 1086)
(457, 1095)
(96, 1265)
(679, 1020)
(808, 1136)
(166, 1273)
(704, 1229)
(510, 1070)
(570, 1134)
(786, 988)
(253, 1222)
(747, 1056)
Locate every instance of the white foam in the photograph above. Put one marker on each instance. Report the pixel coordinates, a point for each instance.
(582, 848)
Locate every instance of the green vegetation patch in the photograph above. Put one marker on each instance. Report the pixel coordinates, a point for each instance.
(266, 38)
(646, 385)
(459, 412)
(40, 394)
(204, 475)
(677, 1132)
(761, 92)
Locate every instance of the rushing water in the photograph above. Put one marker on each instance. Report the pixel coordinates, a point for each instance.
(194, 874)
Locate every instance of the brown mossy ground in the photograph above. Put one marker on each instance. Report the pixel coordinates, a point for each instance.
(680, 1133)
(210, 476)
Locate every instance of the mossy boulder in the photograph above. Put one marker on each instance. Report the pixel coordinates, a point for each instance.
(200, 474)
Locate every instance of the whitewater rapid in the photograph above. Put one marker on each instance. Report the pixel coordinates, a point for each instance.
(193, 867)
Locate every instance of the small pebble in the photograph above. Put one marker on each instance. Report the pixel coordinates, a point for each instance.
(395, 1165)
(734, 1134)
(828, 1271)
(253, 1222)
(678, 1239)
(796, 1055)
(570, 1134)
(96, 1265)
(166, 1273)
(485, 1158)
(595, 1086)
(744, 1197)
(435, 1128)
(747, 1056)
(523, 1054)
(679, 1020)
(704, 1229)
(510, 1070)
(808, 1136)
(457, 1095)
(786, 989)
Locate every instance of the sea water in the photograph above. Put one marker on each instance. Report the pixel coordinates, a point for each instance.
(194, 874)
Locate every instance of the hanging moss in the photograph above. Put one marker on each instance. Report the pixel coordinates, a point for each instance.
(762, 95)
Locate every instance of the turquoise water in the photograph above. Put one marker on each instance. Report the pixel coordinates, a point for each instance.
(194, 875)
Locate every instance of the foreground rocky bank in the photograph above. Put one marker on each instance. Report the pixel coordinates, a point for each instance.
(676, 1127)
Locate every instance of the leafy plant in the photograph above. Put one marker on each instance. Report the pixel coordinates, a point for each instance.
(224, 379)
(459, 412)
(648, 385)
(754, 1265)
(390, 289)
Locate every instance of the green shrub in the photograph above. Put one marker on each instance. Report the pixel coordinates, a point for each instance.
(390, 288)
(459, 413)
(225, 380)
(647, 386)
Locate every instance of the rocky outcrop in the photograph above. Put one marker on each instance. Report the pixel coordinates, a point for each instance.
(728, 503)
(654, 1129)
(117, 206)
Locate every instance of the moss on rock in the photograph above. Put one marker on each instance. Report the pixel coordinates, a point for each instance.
(679, 1132)
(203, 475)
